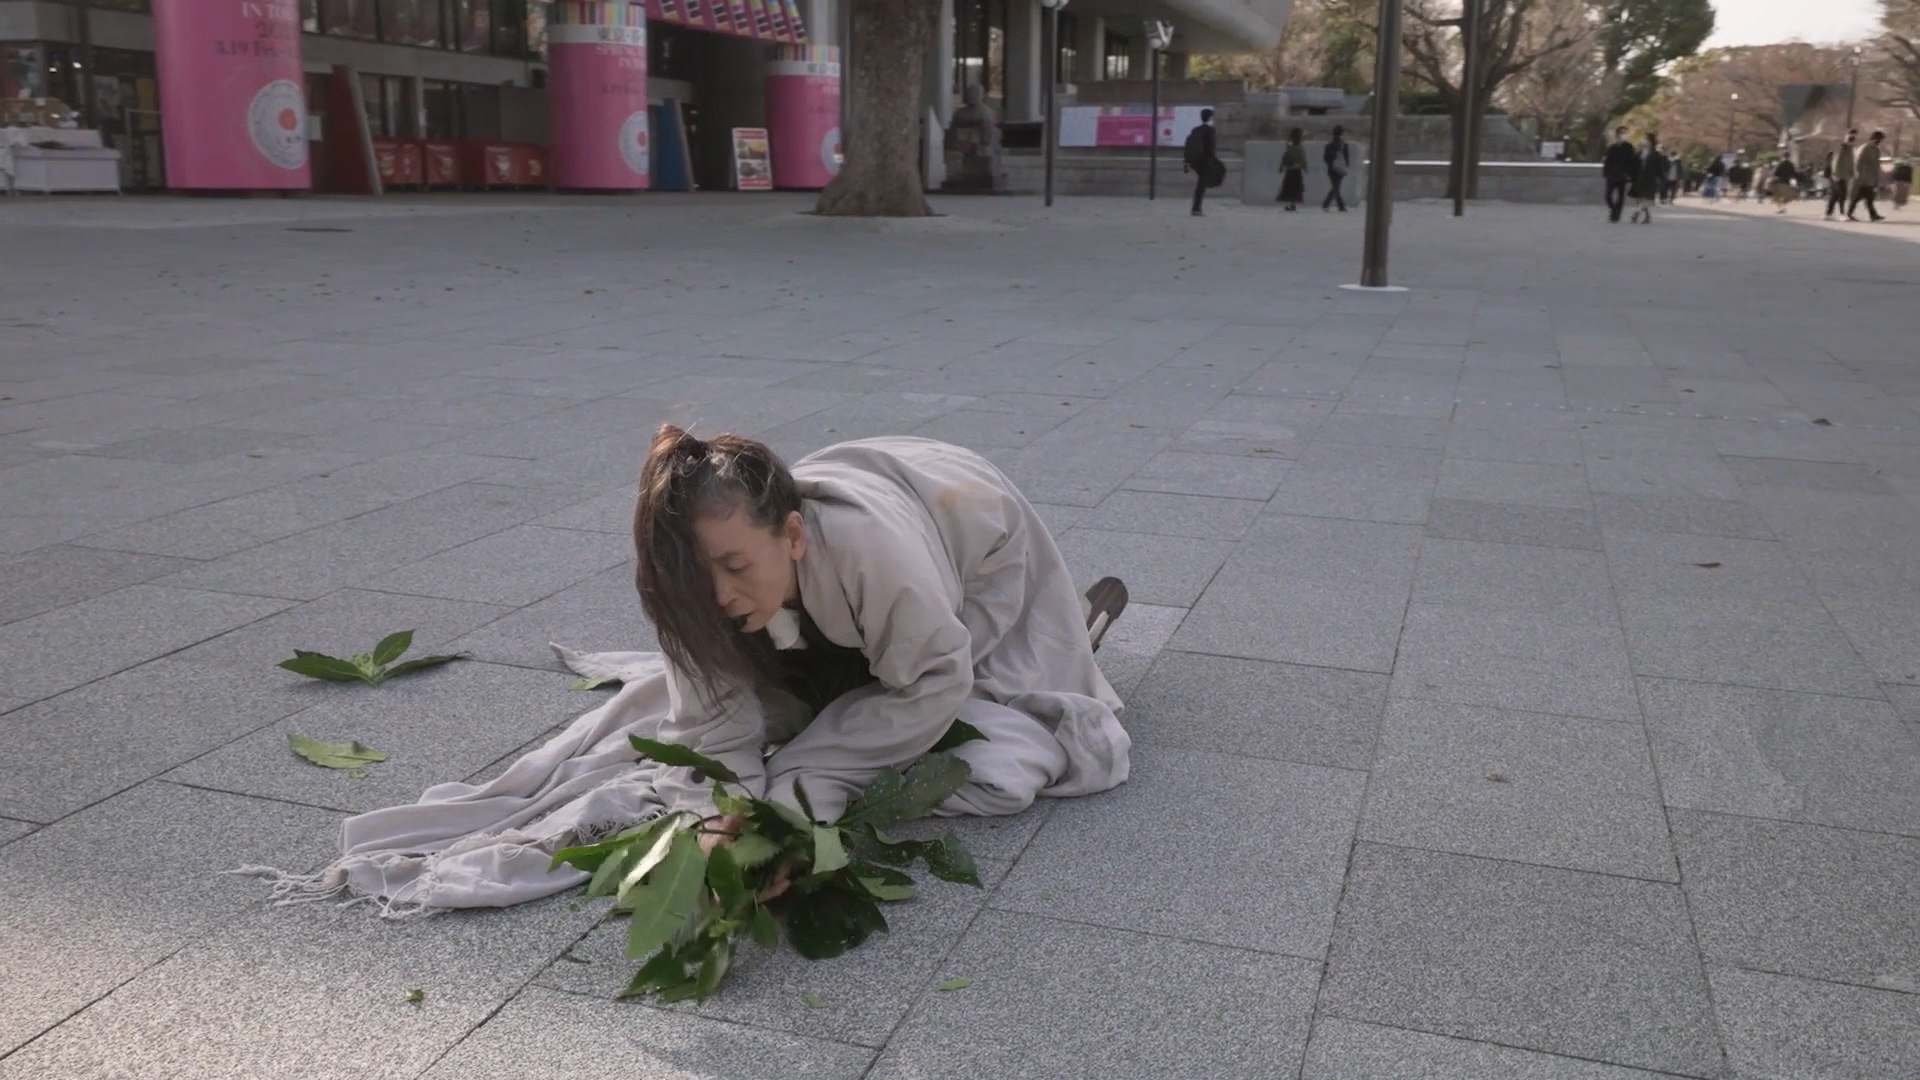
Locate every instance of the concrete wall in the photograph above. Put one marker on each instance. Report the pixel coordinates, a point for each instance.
(1261, 175)
(1118, 173)
(1565, 182)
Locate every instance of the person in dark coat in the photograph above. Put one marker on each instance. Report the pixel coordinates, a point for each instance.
(1203, 159)
(1338, 158)
(1647, 181)
(1293, 171)
(1619, 168)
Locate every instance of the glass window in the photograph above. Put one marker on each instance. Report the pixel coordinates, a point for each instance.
(359, 19)
(310, 16)
(1063, 49)
(473, 25)
(442, 109)
(410, 22)
(22, 71)
(1119, 56)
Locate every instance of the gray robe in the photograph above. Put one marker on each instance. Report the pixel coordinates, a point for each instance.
(921, 555)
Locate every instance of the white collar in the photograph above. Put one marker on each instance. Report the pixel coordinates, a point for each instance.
(784, 629)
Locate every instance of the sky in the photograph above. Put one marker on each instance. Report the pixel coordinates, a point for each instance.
(1764, 22)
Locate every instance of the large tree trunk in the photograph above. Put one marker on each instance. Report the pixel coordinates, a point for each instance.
(885, 68)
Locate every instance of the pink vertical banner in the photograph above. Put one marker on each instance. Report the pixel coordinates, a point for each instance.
(233, 97)
(597, 101)
(803, 122)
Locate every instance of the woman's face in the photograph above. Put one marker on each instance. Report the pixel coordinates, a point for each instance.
(752, 566)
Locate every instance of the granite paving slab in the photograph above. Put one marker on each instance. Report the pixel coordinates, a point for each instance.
(1797, 757)
(1781, 1028)
(94, 900)
(1160, 869)
(1349, 1050)
(544, 1034)
(1310, 715)
(67, 647)
(1751, 885)
(1306, 590)
(1181, 1008)
(1584, 965)
(1526, 787)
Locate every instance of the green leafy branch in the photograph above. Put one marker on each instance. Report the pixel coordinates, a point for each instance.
(780, 875)
(371, 668)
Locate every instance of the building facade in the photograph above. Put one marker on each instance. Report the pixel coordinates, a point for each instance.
(487, 70)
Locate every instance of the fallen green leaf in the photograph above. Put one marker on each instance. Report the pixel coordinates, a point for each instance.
(415, 997)
(829, 854)
(665, 902)
(595, 684)
(813, 1000)
(895, 797)
(954, 984)
(367, 667)
(674, 754)
(334, 755)
(959, 734)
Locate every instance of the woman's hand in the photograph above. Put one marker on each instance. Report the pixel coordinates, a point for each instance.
(718, 830)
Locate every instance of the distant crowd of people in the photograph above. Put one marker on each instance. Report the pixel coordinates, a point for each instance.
(1855, 172)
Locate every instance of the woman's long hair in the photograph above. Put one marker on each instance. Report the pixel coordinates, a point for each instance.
(685, 478)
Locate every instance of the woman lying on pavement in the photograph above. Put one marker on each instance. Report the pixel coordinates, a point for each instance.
(817, 625)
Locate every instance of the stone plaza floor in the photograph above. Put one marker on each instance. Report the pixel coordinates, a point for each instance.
(1524, 670)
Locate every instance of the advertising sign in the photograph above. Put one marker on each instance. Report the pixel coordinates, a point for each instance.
(803, 121)
(597, 100)
(236, 106)
(752, 163)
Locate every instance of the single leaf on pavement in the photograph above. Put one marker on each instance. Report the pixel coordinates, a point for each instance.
(813, 1000)
(595, 684)
(321, 666)
(392, 646)
(955, 984)
(950, 861)
(416, 996)
(674, 754)
(334, 755)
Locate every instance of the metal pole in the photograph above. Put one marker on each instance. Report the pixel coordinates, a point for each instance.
(1048, 129)
(1386, 110)
(1853, 88)
(1153, 152)
(1463, 109)
(83, 23)
(1476, 109)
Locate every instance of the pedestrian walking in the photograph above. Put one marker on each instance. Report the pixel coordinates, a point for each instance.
(1618, 168)
(1648, 181)
(1293, 172)
(1840, 174)
(1866, 177)
(1338, 158)
(1671, 189)
(1785, 182)
(1902, 182)
(1716, 179)
(1203, 160)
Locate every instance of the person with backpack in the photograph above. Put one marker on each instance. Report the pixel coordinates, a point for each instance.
(1203, 160)
(1293, 172)
(1338, 159)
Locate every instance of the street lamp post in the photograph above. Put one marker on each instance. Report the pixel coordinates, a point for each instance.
(1386, 110)
(1159, 36)
(1050, 60)
(1853, 86)
(1463, 120)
